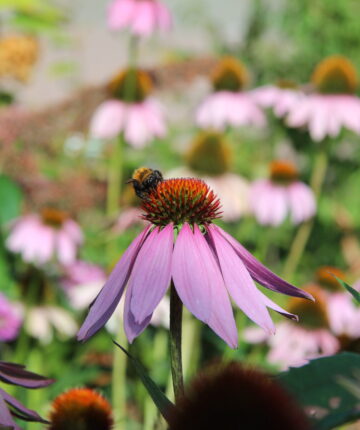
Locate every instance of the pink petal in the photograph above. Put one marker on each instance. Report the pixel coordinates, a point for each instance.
(150, 277)
(302, 202)
(110, 295)
(66, 248)
(239, 283)
(144, 22)
(131, 327)
(120, 13)
(108, 120)
(164, 20)
(193, 271)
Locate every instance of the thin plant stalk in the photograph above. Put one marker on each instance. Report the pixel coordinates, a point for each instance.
(118, 384)
(301, 238)
(175, 343)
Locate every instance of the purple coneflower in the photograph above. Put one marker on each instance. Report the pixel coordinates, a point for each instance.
(40, 238)
(205, 264)
(280, 97)
(333, 105)
(272, 199)
(81, 408)
(229, 104)
(130, 111)
(10, 320)
(15, 374)
(142, 17)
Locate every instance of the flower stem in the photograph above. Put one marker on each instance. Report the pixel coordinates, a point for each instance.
(175, 343)
(118, 382)
(114, 178)
(303, 233)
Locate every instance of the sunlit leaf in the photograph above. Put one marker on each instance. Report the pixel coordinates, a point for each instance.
(319, 387)
(351, 290)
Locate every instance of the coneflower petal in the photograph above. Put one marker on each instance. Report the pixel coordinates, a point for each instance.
(193, 272)
(20, 410)
(272, 305)
(260, 273)
(150, 277)
(5, 416)
(239, 282)
(110, 295)
(16, 374)
(131, 327)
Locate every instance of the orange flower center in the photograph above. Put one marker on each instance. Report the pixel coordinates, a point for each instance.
(335, 75)
(287, 84)
(230, 75)
(131, 85)
(283, 172)
(181, 200)
(325, 277)
(312, 315)
(209, 154)
(80, 409)
(54, 217)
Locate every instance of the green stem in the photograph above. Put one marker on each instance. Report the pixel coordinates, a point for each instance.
(115, 178)
(303, 233)
(175, 343)
(118, 382)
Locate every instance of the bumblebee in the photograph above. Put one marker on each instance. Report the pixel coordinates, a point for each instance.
(144, 180)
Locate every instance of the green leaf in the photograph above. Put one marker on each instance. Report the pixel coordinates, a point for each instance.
(11, 198)
(158, 397)
(323, 388)
(351, 290)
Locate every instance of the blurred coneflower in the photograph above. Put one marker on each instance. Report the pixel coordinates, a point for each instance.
(130, 110)
(333, 104)
(272, 199)
(15, 374)
(204, 263)
(18, 54)
(233, 397)
(142, 17)
(280, 97)
(209, 158)
(229, 104)
(41, 237)
(10, 319)
(295, 344)
(81, 409)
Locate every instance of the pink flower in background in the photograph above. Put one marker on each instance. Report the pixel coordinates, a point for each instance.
(344, 315)
(140, 122)
(281, 100)
(272, 199)
(82, 282)
(229, 104)
(334, 105)
(205, 263)
(294, 344)
(128, 217)
(10, 320)
(42, 321)
(41, 238)
(142, 17)
(129, 111)
(225, 108)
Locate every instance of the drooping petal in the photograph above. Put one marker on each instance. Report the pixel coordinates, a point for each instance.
(16, 374)
(270, 304)
(6, 419)
(239, 283)
(110, 295)
(131, 327)
(193, 273)
(260, 273)
(66, 248)
(120, 14)
(20, 410)
(302, 202)
(150, 277)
